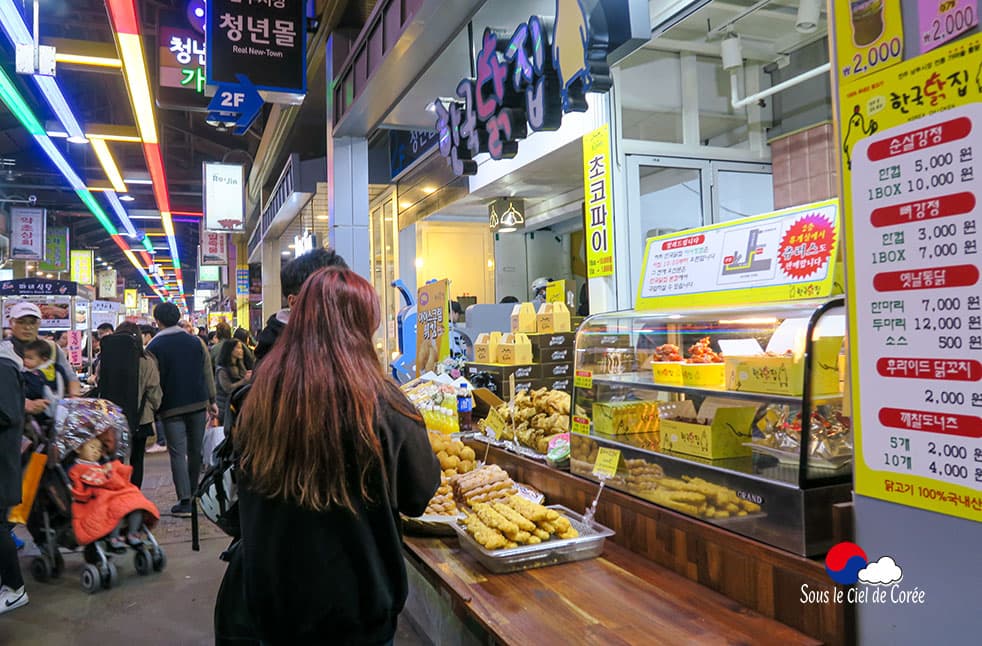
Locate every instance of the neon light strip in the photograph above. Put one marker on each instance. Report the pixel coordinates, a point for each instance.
(81, 59)
(121, 213)
(109, 166)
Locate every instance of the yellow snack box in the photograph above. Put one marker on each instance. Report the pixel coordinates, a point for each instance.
(515, 349)
(704, 375)
(552, 317)
(486, 347)
(621, 418)
(724, 435)
(523, 318)
(667, 372)
(784, 375)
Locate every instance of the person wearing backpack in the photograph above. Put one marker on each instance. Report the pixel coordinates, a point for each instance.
(329, 453)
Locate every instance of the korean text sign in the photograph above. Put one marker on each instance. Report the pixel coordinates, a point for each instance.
(224, 198)
(869, 36)
(263, 39)
(56, 250)
(432, 326)
(914, 289)
(785, 255)
(27, 234)
(182, 60)
(599, 214)
(83, 262)
(214, 248)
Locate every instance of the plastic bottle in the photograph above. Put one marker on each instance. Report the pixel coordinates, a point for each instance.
(465, 407)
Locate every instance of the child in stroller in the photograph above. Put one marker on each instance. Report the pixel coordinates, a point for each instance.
(85, 497)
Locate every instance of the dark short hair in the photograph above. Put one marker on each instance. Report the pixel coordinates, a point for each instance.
(241, 334)
(297, 271)
(58, 334)
(105, 326)
(456, 308)
(167, 314)
(509, 299)
(212, 335)
(41, 347)
(224, 330)
(148, 329)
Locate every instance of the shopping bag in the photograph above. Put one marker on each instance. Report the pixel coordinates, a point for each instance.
(29, 488)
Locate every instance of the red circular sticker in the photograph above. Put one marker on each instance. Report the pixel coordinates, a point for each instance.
(807, 246)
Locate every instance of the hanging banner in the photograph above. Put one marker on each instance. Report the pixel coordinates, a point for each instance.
(214, 248)
(432, 326)
(780, 256)
(27, 233)
(55, 250)
(82, 266)
(242, 281)
(104, 312)
(224, 197)
(130, 299)
(599, 214)
(870, 37)
(107, 283)
(942, 20)
(75, 355)
(914, 290)
(266, 40)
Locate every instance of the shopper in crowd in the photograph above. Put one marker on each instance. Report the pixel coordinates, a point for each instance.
(12, 594)
(212, 339)
(104, 330)
(223, 332)
(125, 362)
(249, 356)
(61, 339)
(292, 278)
(508, 299)
(230, 374)
(188, 386)
(26, 320)
(159, 444)
(331, 453)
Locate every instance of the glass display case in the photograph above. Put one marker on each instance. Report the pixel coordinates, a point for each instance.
(707, 406)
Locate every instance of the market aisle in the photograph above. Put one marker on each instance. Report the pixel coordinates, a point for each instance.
(173, 608)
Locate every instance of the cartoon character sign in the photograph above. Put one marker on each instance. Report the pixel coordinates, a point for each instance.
(855, 130)
(569, 51)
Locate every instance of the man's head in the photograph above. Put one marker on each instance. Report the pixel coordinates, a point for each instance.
(36, 353)
(25, 319)
(186, 326)
(104, 330)
(295, 273)
(147, 332)
(167, 315)
(223, 331)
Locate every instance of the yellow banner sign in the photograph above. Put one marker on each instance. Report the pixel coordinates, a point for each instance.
(781, 256)
(556, 291)
(432, 326)
(869, 37)
(607, 461)
(82, 262)
(909, 137)
(599, 225)
(130, 299)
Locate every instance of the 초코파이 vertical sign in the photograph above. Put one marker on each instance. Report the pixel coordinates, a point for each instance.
(598, 204)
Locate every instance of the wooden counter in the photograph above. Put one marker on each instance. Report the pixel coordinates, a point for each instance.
(618, 598)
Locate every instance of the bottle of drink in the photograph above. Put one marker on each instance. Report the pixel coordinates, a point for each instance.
(465, 406)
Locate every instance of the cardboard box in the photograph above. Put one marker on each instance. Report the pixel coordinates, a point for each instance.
(503, 372)
(724, 436)
(514, 349)
(559, 370)
(552, 317)
(704, 375)
(543, 343)
(557, 355)
(563, 384)
(667, 372)
(486, 347)
(784, 375)
(621, 418)
(523, 318)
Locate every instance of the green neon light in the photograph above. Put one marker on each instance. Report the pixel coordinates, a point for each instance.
(89, 200)
(147, 244)
(15, 102)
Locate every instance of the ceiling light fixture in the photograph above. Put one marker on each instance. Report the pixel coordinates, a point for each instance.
(809, 14)
(109, 166)
(127, 198)
(121, 213)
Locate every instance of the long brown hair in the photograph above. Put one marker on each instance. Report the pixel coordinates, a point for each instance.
(306, 433)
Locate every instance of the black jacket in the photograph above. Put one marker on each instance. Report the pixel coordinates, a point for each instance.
(268, 336)
(11, 426)
(337, 577)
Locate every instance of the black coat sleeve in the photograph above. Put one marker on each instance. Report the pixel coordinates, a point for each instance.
(414, 470)
(11, 397)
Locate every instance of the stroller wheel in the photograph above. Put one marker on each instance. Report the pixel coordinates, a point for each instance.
(91, 579)
(159, 560)
(59, 565)
(41, 569)
(111, 577)
(142, 562)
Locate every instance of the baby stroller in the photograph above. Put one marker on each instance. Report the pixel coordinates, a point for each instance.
(50, 520)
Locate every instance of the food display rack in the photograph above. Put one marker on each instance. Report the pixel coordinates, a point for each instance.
(786, 502)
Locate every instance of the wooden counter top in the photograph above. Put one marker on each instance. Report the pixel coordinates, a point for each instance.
(618, 598)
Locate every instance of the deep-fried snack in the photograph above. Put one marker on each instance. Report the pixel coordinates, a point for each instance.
(515, 517)
(529, 509)
(486, 536)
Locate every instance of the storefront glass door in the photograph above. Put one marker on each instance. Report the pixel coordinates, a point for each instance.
(385, 262)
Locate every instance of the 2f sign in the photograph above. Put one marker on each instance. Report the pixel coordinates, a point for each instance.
(232, 99)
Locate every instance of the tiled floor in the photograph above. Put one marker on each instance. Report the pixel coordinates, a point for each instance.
(173, 608)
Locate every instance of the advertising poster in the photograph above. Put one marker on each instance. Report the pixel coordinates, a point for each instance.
(55, 250)
(107, 283)
(942, 20)
(27, 233)
(130, 299)
(214, 318)
(870, 36)
(82, 266)
(75, 354)
(224, 197)
(214, 248)
(915, 296)
(104, 312)
(432, 326)
(785, 255)
(599, 226)
(55, 311)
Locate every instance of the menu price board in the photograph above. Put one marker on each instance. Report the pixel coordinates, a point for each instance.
(942, 20)
(869, 36)
(915, 293)
(780, 256)
(598, 209)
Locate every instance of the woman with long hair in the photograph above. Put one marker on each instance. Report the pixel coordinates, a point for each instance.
(230, 374)
(330, 453)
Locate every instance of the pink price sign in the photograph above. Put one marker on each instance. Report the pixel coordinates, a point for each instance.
(940, 21)
(75, 347)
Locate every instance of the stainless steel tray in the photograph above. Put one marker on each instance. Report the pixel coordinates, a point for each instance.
(589, 544)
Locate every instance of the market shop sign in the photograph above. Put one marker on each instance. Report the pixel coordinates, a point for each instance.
(181, 63)
(214, 248)
(224, 196)
(781, 256)
(55, 250)
(598, 206)
(82, 266)
(27, 233)
(506, 215)
(525, 83)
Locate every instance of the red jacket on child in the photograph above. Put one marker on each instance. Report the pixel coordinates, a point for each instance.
(102, 496)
